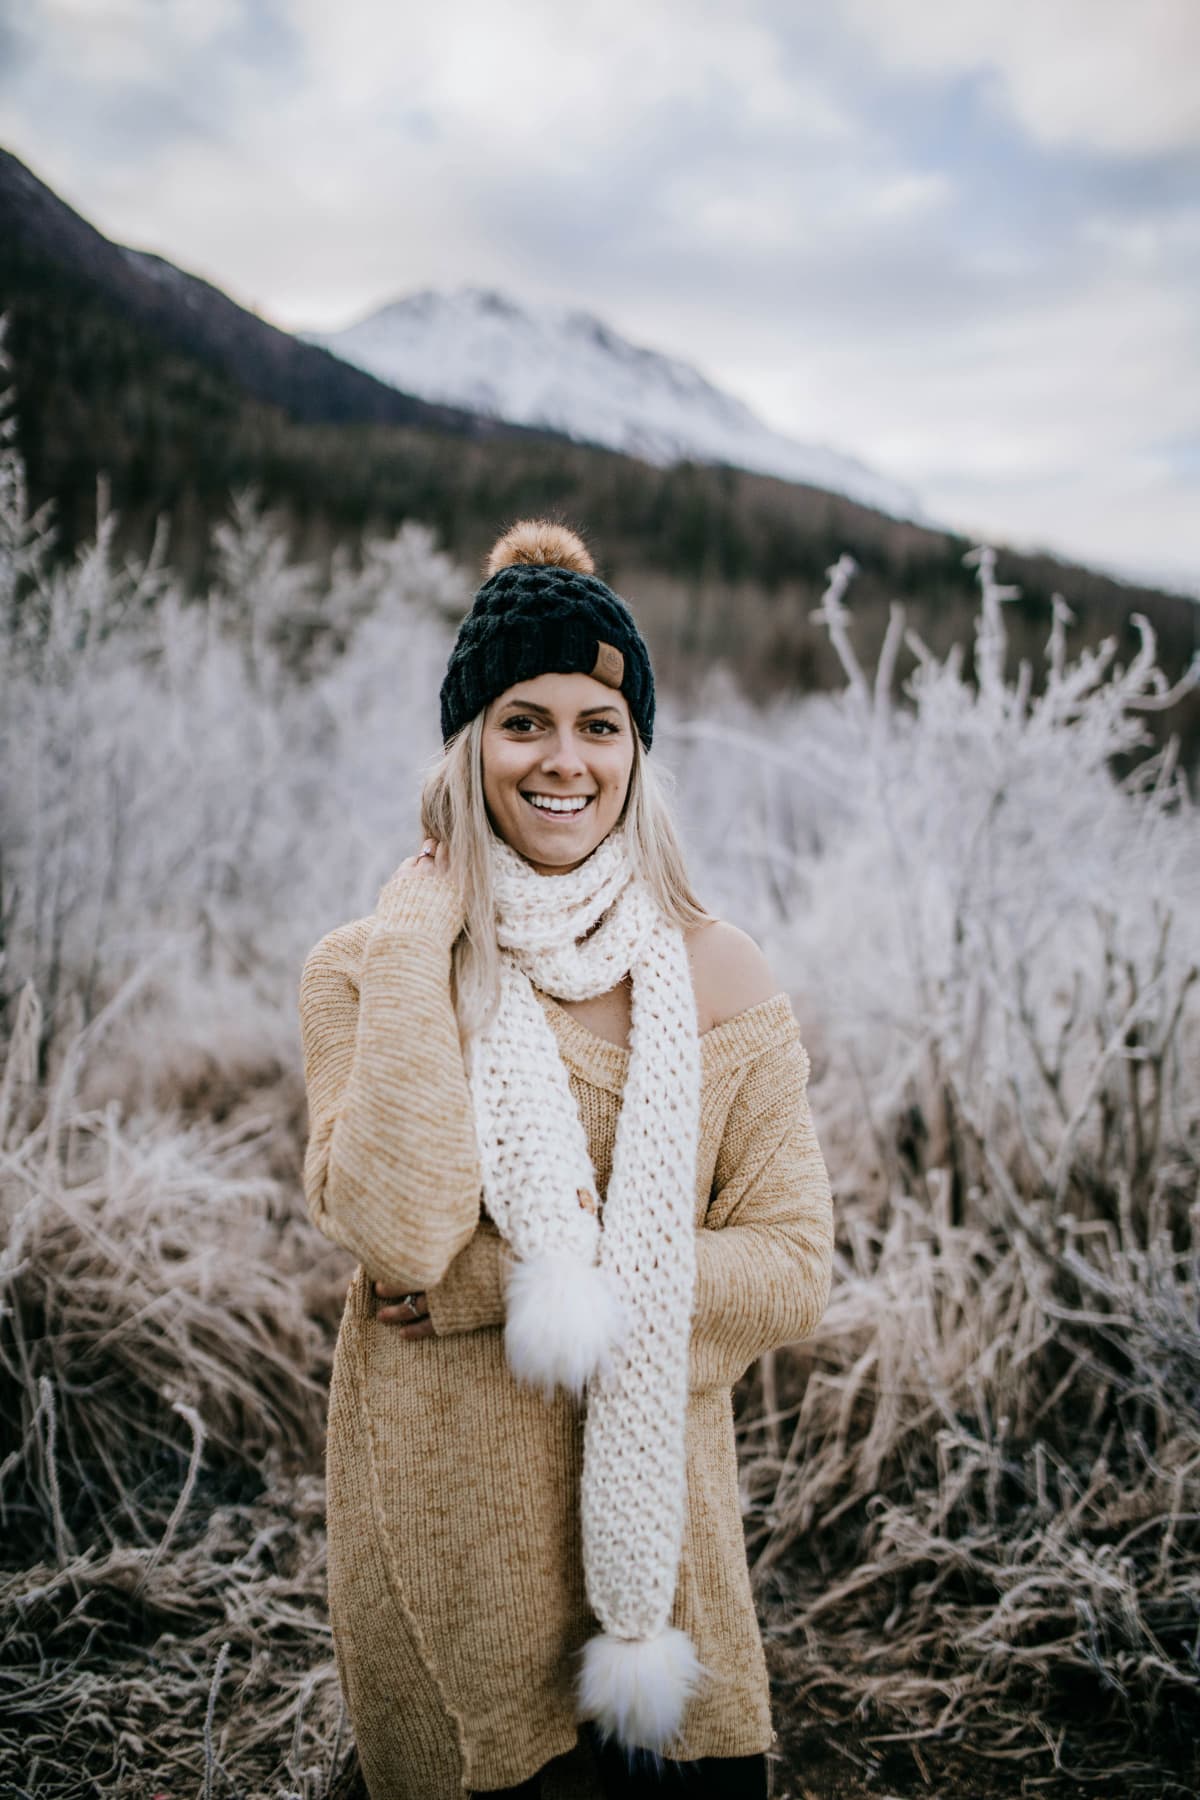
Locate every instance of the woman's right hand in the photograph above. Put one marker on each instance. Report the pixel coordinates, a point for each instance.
(397, 896)
(432, 859)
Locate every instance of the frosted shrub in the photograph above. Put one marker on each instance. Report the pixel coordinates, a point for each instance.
(410, 567)
(973, 1496)
(25, 536)
(1042, 917)
(182, 813)
(991, 940)
(259, 594)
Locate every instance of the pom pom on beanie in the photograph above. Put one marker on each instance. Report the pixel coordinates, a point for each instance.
(540, 541)
(543, 610)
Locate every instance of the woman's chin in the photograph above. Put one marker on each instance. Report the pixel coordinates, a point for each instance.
(548, 863)
(548, 851)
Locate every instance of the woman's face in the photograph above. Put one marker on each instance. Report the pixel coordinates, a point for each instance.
(556, 738)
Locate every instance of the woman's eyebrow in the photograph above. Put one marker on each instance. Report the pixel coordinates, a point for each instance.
(532, 706)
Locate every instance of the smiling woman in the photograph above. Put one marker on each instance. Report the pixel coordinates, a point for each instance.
(559, 1113)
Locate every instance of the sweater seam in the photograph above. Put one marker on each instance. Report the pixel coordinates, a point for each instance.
(387, 1551)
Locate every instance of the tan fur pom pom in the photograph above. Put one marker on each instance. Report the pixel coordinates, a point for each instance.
(540, 541)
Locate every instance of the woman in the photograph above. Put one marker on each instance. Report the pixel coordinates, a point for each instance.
(559, 1115)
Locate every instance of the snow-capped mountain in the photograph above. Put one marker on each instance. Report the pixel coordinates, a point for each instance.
(567, 371)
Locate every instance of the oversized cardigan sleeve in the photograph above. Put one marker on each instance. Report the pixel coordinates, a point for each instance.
(764, 1257)
(391, 1169)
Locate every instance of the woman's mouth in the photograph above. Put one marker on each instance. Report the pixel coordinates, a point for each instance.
(560, 807)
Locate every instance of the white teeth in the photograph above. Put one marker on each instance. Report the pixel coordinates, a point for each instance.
(546, 804)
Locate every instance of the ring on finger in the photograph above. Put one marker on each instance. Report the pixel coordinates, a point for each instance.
(409, 1300)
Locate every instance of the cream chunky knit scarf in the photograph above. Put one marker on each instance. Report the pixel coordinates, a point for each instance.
(602, 1309)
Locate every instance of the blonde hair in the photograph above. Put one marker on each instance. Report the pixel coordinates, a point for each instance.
(453, 811)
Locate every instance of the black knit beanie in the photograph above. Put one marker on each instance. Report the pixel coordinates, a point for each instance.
(542, 610)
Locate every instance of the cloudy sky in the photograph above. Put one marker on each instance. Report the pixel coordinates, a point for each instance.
(958, 238)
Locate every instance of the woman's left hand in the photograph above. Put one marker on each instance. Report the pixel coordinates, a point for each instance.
(406, 1310)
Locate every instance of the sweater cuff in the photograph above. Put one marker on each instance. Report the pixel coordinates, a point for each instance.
(429, 905)
(471, 1294)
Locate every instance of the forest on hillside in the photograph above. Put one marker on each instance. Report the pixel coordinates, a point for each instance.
(720, 564)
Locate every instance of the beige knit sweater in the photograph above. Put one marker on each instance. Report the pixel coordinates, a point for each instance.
(456, 1582)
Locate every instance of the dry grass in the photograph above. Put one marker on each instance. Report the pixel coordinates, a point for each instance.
(974, 1502)
(165, 1329)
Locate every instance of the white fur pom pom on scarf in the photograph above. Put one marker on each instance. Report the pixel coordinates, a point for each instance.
(602, 1310)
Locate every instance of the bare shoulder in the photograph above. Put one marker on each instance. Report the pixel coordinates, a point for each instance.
(729, 972)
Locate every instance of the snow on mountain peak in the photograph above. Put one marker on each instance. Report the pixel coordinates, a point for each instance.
(565, 369)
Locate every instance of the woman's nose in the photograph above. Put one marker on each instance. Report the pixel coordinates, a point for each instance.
(561, 755)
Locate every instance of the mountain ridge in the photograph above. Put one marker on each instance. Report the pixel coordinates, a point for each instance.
(274, 366)
(564, 369)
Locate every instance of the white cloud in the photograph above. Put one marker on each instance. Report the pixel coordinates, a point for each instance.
(1098, 74)
(128, 40)
(908, 195)
(1147, 244)
(794, 209)
(557, 83)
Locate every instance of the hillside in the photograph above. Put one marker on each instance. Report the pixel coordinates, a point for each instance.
(123, 364)
(41, 234)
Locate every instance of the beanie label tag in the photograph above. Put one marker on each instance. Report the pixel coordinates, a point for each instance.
(609, 666)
